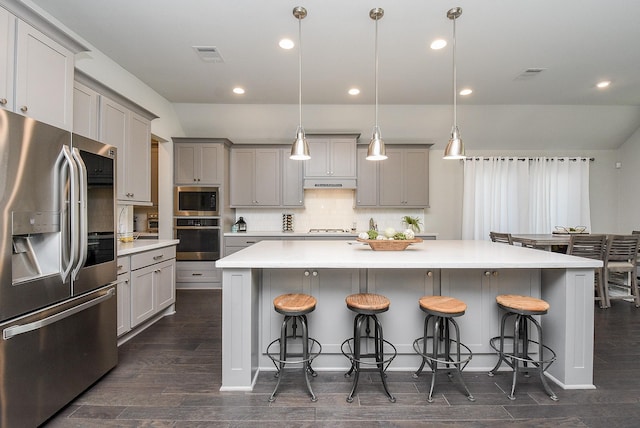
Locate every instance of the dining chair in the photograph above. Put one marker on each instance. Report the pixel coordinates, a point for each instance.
(591, 247)
(621, 257)
(504, 238)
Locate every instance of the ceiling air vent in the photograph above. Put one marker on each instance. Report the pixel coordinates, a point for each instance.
(529, 73)
(209, 53)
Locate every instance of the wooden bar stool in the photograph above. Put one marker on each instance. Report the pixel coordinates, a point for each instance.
(442, 310)
(295, 308)
(366, 306)
(522, 308)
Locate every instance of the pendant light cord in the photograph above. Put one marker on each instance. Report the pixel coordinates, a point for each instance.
(300, 72)
(376, 72)
(455, 78)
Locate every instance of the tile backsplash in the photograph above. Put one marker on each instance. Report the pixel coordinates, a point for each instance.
(330, 209)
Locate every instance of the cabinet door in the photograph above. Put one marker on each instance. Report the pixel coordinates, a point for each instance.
(164, 278)
(416, 177)
(210, 164)
(243, 177)
(44, 78)
(184, 164)
(391, 178)
(318, 165)
(142, 295)
(138, 159)
(343, 158)
(85, 111)
(367, 190)
(124, 304)
(267, 177)
(113, 130)
(7, 33)
(292, 190)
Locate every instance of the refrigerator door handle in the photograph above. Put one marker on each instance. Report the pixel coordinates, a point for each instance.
(70, 249)
(83, 228)
(17, 330)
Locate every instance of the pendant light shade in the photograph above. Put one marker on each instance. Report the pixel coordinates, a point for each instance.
(455, 147)
(300, 147)
(376, 150)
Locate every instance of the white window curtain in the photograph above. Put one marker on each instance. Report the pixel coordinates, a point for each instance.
(524, 195)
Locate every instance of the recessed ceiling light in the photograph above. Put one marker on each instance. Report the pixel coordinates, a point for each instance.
(238, 90)
(354, 91)
(438, 44)
(286, 44)
(603, 84)
(466, 91)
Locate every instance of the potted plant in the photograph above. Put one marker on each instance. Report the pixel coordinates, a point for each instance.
(412, 223)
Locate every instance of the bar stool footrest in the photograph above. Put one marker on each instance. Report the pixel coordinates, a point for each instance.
(418, 347)
(349, 353)
(275, 356)
(544, 362)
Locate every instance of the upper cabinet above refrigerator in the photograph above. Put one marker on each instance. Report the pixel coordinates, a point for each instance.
(36, 69)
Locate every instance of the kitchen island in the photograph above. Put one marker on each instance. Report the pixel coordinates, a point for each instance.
(474, 271)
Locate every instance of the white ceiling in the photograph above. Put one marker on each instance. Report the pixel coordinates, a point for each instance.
(578, 42)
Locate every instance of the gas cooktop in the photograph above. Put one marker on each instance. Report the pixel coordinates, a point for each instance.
(328, 231)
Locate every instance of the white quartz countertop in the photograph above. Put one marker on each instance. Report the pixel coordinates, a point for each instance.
(140, 245)
(435, 254)
(346, 235)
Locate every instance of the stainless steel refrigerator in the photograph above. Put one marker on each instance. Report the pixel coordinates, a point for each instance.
(57, 263)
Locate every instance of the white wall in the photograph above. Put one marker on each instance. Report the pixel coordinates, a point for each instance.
(629, 177)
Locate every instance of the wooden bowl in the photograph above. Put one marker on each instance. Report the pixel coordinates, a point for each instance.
(388, 244)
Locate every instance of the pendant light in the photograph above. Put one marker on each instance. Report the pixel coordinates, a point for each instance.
(376, 149)
(455, 147)
(300, 147)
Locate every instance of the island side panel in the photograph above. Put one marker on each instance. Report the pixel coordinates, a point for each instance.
(240, 308)
(568, 327)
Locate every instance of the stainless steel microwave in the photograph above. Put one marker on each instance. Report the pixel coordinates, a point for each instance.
(195, 201)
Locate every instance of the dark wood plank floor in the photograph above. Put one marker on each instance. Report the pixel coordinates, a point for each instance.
(169, 376)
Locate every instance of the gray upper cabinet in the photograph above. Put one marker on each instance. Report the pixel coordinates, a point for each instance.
(292, 173)
(37, 70)
(199, 164)
(255, 177)
(331, 156)
(86, 102)
(367, 190)
(401, 181)
(404, 177)
(265, 177)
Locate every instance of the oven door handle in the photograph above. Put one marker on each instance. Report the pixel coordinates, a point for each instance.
(196, 227)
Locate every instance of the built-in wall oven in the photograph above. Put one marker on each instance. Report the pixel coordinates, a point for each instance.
(199, 237)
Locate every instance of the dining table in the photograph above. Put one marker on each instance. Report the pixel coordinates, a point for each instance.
(545, 241)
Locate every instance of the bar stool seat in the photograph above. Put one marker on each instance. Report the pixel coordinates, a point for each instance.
(295, 308)
(523, 308)
(442, 310)
(367, 306)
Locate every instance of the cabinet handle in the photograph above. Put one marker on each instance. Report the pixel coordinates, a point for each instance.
(24, 109)
(119, 267)
(487, 273)
(158, 257)
(306, 273)
(196, 274)
(429, 274)
(494, 273)
(157, 271)
(315, 273)
(3, 101)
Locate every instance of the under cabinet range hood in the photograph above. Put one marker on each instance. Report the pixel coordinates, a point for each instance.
(329, 183)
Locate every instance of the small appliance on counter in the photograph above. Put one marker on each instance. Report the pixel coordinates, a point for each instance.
(287, 222)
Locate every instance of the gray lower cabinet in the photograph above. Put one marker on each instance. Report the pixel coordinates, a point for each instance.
(198, 275)
(147, 288)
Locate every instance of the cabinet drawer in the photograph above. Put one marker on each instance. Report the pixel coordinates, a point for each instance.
(198, 272)
(241, 241)
(154, 256)
(123, 265)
